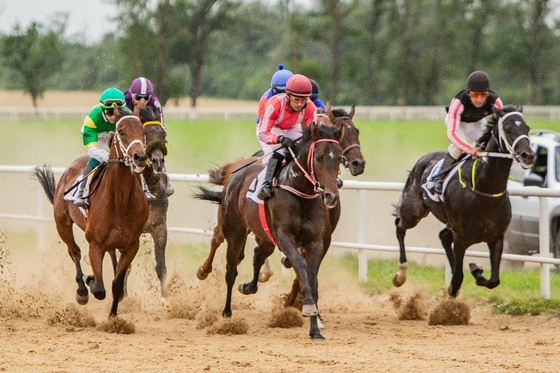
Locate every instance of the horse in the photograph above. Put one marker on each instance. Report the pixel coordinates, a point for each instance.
(117, 213)
(352, 159)
(475, 206)
(297, 215)
(156, 226)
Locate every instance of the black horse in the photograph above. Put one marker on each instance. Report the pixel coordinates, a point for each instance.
(476, 205)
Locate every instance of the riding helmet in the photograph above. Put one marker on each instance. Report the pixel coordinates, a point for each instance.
(279, 78)
(478, 81)
(314, 89)
(111, 94)
(299, 85)
(141, 86)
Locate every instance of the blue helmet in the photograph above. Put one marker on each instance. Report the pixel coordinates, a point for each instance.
(279, 79)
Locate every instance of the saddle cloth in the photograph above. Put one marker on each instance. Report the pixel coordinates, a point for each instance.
(428, 185)
(255, 187)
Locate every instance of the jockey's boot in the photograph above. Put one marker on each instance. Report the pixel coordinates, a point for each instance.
(80, 200)
(267, 190)
(448, 161)
(169, 190)
(149, 196)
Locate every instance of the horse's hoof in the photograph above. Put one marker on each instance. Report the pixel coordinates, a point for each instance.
(201, 274)
(286, 262)
(246, 289)
(265, 276)
(309, 310)
(82, 300)
(318, 339)
(398, 281)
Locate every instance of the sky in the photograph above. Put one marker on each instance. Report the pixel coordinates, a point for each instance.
(90, 18)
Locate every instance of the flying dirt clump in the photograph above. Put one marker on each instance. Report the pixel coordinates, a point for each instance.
(288, 317)
(450, 312)
(71, 315)
(411, 308)
(117, 325)
(235, 325)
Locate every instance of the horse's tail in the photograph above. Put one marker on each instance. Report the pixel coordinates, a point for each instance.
(45, 176)
(221, 175)
(217, 176)
(209, 195)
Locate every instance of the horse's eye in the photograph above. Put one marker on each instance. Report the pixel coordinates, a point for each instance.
(121, 132)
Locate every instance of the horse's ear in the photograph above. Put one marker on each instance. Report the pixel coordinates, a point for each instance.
(499, 112)
(340, 133)
(329, 111)
(313, 130)
(519, 108)
(352, 111)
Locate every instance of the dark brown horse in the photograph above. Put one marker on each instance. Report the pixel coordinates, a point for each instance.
(297, 215)
(352, 158)
(476, 207)
(117, 214)
(156, 226)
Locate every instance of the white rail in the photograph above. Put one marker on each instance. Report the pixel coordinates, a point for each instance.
(361, 187)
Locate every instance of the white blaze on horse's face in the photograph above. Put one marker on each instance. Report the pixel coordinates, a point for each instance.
(331, 154)
(518, 123)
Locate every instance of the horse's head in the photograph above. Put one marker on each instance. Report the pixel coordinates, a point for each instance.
(155, 135)
(352, 157)
(512, 134)
(321, 153)
(129, 142)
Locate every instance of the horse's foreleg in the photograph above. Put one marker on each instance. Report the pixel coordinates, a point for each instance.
(235, 244)
(160, 240)
(446, 238)
(261, 252)
(82, 294)
(217, 239)
(127, 255)
(457, 268)
(495, 248)
(400, 277)
(95, 282)
(315, 330)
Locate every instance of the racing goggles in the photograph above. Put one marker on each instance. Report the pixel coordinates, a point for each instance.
(107, 104)
(142, 97)
(478, 94)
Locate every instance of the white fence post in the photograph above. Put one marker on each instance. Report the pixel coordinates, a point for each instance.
(544, 247)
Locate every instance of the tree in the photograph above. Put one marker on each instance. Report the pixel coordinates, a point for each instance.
(36, 56)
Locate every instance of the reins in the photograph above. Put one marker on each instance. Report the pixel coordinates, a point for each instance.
(501, 142)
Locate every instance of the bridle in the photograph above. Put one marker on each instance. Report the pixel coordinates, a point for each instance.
(343, 159)
(310, 176)
(127, 159)
(503, 142)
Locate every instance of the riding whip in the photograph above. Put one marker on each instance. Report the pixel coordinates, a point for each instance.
(82, 179)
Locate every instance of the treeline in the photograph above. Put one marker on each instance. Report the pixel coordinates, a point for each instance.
(364, 52)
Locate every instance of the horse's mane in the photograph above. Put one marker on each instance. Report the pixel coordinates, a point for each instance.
(339, 112)
(491, 125)
(147, 114)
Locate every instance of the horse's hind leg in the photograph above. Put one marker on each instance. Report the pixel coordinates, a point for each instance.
(159, 237)
(235, 245)
(67, 235)
(495, 248)
(262, 251)
(266, 271)
(457, 269)
(217, 239)
(446, 238)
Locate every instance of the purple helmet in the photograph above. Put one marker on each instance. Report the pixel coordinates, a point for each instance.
(141, 86)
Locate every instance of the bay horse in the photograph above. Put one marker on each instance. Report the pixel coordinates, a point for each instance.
(352, 158)
(297, 215)
(117, 213)
(475, 205)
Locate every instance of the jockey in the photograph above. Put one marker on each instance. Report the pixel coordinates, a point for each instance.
(277, 85)
(315, 96)
(140, 95)
(466, 120)
(282, 120)
(99, 122)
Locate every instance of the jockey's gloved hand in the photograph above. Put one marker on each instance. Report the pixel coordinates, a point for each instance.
(286, 142)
